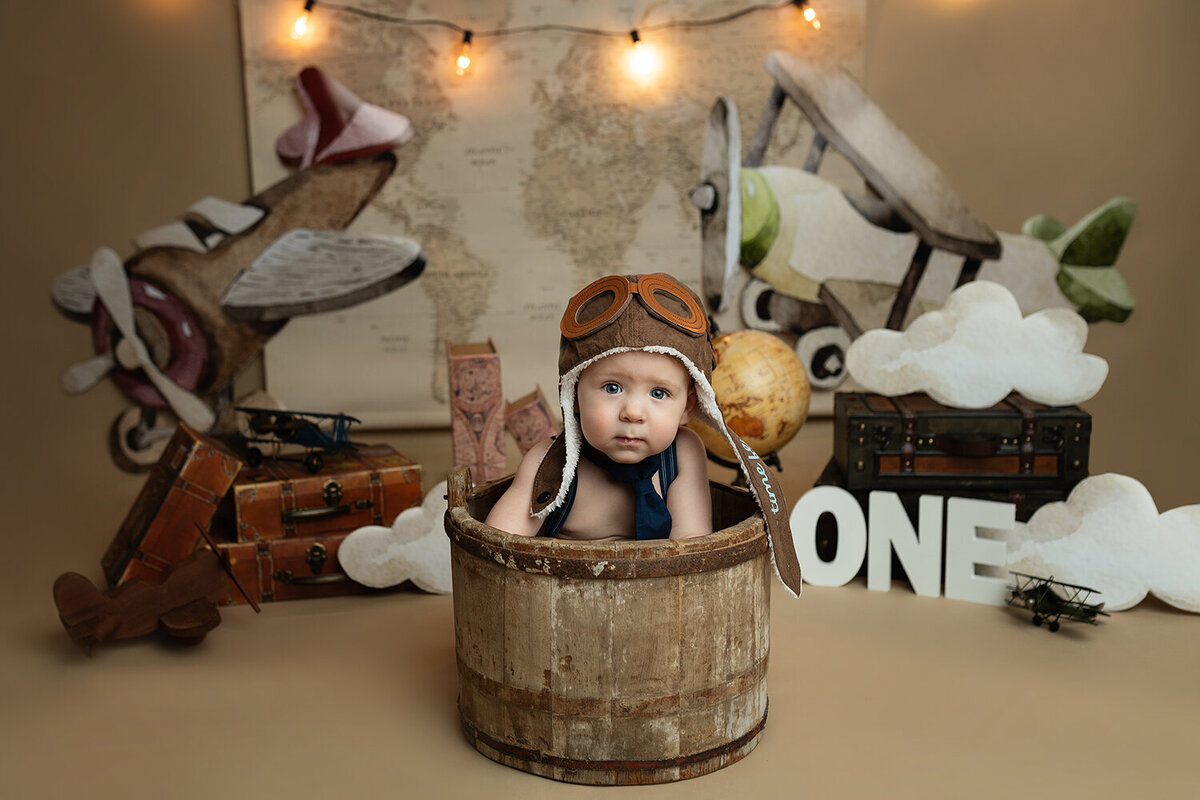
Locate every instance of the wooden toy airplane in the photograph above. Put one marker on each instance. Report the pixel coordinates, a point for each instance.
(175, 324)
(795, 253)
(181, 603)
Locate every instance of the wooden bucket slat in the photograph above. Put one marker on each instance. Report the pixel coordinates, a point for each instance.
(610, 663)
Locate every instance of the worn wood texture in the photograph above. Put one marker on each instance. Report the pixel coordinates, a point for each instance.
(325, 197)
(611, 663)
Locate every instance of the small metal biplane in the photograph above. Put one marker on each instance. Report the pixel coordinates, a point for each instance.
(315, 432)
(1052, 600)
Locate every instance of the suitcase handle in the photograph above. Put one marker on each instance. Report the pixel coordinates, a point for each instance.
(323, 512)
(968, 446)
(303, 514)
(286, 576)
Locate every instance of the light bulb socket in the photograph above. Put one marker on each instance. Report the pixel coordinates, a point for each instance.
(308, 4)
(633, 34)
(466, 37)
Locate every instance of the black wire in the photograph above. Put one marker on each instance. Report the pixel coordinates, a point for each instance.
(441, 23)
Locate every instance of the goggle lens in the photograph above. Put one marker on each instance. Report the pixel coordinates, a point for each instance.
(604, 300)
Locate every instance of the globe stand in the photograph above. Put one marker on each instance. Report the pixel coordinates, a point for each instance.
(772, 459)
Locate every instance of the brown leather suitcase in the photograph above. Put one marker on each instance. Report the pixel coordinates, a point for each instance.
(288, 569)
(281, 499)
(183, 490)
(914, 443)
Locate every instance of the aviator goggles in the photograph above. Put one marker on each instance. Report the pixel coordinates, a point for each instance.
(601, 302)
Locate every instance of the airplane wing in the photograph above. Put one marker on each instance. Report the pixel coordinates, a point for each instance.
(308, 271)
(908, 181)
(192, 621)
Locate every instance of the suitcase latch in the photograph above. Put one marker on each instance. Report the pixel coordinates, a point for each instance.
(882, 436)
(1053, 437)
(314, 556)
(331, 493)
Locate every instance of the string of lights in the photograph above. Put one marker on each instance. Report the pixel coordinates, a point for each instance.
(642, 61)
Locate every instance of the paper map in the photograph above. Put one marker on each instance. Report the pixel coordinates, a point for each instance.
(543, 168)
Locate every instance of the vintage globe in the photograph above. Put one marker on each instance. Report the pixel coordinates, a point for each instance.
(762, 390)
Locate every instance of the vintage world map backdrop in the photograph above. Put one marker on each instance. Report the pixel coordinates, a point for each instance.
(544, 167)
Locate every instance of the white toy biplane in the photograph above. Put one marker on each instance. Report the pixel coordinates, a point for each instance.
(785, 250)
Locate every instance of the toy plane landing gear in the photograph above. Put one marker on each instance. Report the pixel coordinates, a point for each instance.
(1051, 600)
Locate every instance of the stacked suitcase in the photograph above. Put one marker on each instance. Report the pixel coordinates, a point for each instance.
(1017, 451)
(278, 525)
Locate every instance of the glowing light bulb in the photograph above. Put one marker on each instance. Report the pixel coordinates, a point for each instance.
(810, 14)
(300, 26)
(463, 62)
(643, 61)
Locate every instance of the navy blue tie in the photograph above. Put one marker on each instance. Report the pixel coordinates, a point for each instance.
(651, 518)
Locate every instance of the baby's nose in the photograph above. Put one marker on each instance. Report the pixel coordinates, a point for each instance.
(631, 410)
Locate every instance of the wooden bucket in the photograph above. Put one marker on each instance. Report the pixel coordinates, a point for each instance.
(610, 662)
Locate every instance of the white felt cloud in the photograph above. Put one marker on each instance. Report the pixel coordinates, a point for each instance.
(977, 348)
(415, 548)
(1108, 535)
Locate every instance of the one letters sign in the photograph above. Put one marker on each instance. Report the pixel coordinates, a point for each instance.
(919, 549)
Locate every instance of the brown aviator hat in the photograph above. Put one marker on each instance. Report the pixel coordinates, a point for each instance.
(658, 314)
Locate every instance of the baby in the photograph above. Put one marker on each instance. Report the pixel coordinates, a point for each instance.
(631, 409)
(635, 365)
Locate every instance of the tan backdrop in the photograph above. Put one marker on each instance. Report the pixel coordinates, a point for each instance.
(117, 115)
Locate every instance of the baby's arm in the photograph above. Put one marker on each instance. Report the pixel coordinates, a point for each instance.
(688, 497)
(511, 512)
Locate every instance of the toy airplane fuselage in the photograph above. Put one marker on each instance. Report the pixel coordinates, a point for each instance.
(785, 250)
(203, 314)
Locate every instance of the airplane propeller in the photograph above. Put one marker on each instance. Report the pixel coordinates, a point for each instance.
(112, 289)
(80, 377)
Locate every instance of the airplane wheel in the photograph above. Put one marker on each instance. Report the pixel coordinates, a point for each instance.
(134, 443)
(254, 456)
(313, 462)
(755, 313)
(1037, 619)
(1053, 626)
(823, 351)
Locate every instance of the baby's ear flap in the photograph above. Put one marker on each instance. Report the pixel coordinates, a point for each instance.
(549, 476)
(764, 483)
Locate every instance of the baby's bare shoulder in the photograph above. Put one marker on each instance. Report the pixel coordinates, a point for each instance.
(512, 511)
(689, 448)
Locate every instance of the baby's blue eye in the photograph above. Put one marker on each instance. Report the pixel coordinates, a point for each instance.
(659, 394)
(611, 388)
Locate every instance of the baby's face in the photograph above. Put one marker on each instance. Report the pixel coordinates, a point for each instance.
(631, 404)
